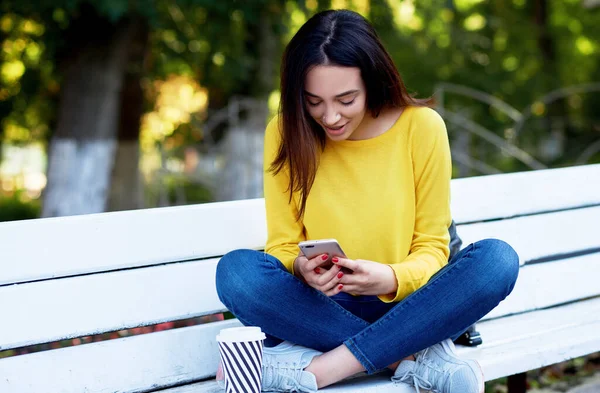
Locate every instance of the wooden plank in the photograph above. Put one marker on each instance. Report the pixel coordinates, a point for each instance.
(132, 364)
(155, 236)
(375, 384)
(506, 195)
(529, 341)
(124, 299)
(513, 345)
(540, 236)
(547, 284)
(98, 303)
(110, 241)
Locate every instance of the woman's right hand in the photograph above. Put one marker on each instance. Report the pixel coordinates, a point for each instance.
(318, 277)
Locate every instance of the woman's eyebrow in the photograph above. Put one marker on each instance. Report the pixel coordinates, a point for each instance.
(337, 96)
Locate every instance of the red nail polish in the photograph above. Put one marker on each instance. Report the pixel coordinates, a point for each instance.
(334, 259)
(324, 257)
(340, 275)
(340, 286)
(317, 270)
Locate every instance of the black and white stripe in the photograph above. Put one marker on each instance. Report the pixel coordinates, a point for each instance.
(242, 366)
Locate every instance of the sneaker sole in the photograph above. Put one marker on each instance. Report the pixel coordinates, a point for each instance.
(452, 349)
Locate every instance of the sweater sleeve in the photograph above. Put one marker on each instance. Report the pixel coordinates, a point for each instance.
(432, 168)
(284, 232)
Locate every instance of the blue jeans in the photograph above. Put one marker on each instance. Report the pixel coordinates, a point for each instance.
(259, 291)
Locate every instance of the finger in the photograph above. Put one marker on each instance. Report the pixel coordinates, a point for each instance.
(345, 262)
(352, 279)
(352, 289)
(335, 290)
(317, 261)
(334, 281)
(328, 275)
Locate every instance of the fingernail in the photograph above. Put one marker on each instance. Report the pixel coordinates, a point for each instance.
(340, 275)
(340, 286)
(317, 270)
(334, 259)
(324, 257)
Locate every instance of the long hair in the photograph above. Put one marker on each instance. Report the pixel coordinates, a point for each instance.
(342, 38)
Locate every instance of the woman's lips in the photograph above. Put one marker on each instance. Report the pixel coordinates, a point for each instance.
(336, 131)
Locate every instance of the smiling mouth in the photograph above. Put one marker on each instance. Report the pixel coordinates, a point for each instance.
(336, 128)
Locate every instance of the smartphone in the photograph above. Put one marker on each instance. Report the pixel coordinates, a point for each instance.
(313, 248)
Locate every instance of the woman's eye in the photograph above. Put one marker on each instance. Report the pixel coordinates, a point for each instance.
(348, 103)
(313, 103)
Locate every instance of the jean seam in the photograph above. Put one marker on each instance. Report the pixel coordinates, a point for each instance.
(360, 356)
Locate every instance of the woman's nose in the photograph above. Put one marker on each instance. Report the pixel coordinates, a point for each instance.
(330, 118)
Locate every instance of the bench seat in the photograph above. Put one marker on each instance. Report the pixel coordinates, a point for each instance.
(75, 276)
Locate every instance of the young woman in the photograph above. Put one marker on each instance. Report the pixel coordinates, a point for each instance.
(352, 156)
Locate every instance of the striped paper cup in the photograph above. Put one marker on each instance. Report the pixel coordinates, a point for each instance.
(241, 352)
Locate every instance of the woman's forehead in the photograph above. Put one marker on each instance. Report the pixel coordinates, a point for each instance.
(331, 81)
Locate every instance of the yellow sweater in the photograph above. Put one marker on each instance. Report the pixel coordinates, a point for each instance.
(385, 199)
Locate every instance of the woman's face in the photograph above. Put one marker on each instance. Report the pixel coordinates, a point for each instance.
(336, 98)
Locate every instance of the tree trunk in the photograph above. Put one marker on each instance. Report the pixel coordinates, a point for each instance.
(83, 148)
(126, 192)
(243, 145)
(551, 142)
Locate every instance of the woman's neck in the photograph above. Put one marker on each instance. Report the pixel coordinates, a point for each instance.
(371, 127)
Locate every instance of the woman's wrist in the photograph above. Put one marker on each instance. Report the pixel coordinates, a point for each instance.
(390, 282)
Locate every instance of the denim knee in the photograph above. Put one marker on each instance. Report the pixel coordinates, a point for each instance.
(501, 264)
(234, 277)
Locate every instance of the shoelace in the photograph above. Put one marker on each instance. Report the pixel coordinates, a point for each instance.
(280, 375)
(417, 381)
(423, 366)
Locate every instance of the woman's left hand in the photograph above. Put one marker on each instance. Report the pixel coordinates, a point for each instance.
(367, 277)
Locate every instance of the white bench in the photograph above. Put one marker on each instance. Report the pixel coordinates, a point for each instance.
(76, 276)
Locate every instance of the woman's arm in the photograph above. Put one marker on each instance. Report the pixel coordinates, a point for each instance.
(284, 232)
(432, 167)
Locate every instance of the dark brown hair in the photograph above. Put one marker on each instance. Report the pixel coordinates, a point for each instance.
(343, 38)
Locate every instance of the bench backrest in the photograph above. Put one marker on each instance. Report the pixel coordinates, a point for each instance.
(76, 276)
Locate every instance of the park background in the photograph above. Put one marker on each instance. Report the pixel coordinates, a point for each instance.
(110, 105)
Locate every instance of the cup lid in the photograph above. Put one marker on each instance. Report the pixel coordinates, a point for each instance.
(246, 333)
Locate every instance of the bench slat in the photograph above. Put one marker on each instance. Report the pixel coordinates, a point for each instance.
(131, 298)
(540, 236)
(511, 345)
(374, 384)
(536, 339)
(548, 284)
(132, 364)
(79, 306)
(110, 241)
(507, 195)
(155, 236)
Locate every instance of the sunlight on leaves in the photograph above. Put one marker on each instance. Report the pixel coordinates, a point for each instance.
(538, 108)
(12, 71)
(361, 6)
(339, 4)
(466, 5)
(475, 22)
(510, 63)
(405, 16)
(311, 5)
(33, 28)
(6, 23)
(177, 99)
(584, 45)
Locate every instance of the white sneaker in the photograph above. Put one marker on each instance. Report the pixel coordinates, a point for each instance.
(439, 369)
(283, 369)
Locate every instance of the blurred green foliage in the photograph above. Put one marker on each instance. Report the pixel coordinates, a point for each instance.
(16, 207)
(517, 51)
